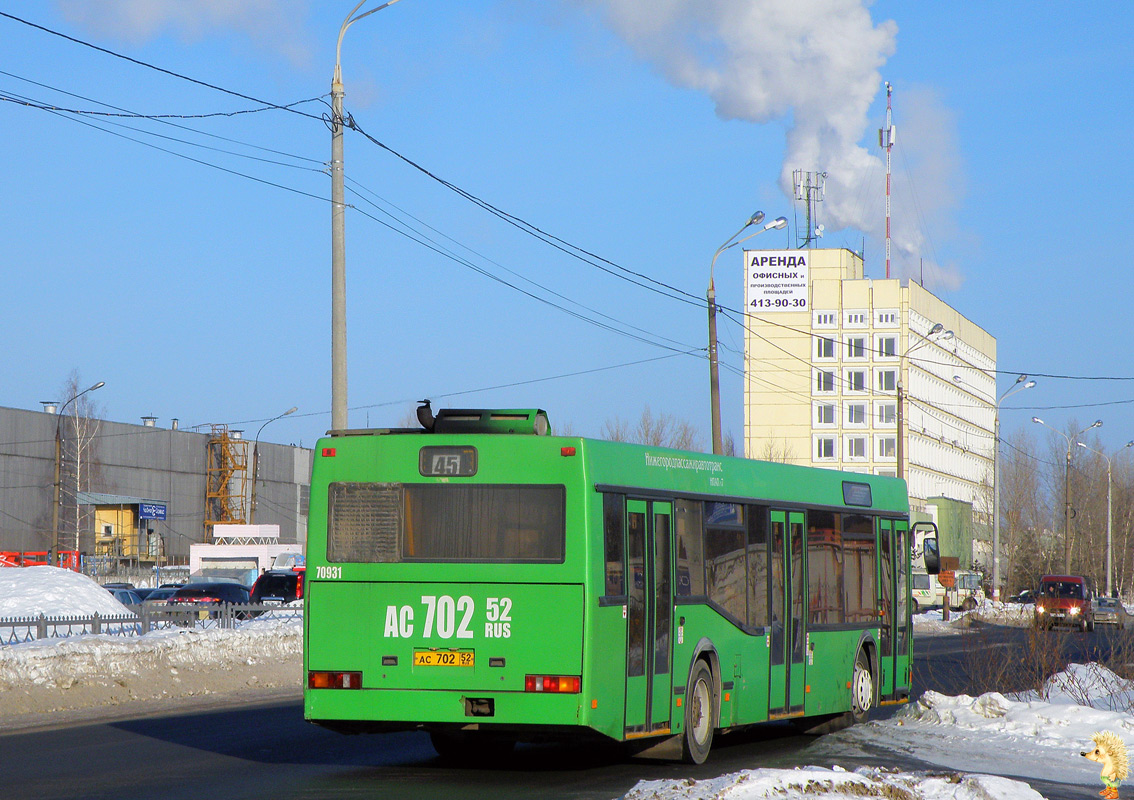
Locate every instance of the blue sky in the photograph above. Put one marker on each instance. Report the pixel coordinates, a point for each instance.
(642, 133)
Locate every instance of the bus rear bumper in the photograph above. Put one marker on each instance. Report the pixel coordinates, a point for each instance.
(381, 710)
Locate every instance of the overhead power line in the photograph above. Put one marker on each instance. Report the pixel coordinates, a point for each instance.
(154, 67)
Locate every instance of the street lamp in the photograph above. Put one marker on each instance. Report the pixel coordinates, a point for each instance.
(338, 233)
(1067, 487)
(1109, 569)
(256, 459)
(1020, 385)
(937, 328)
(711, 298)
(58, 458)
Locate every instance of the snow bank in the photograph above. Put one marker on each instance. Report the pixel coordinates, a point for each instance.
(53, 592)
(809, 782)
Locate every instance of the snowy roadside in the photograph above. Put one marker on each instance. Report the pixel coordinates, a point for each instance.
(112, 676)
(56, 681)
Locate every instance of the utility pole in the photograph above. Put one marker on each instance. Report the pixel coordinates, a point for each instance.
(338, 233)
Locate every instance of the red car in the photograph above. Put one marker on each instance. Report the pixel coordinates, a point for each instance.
(1065, 600)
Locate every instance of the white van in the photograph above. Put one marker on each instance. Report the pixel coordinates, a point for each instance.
(967, 592)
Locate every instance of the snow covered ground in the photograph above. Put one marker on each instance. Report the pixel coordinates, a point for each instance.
(84, 674)
(983, 747)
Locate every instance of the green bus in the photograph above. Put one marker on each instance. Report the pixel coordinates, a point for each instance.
(488, 582)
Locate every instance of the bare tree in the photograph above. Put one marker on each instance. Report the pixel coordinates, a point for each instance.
(781, 452)
(663, 430)
(80, 468)
(1026, 552)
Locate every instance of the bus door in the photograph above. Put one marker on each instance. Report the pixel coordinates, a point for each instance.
(788, 637)
(903, 649)
(649, 623)
(887, 604)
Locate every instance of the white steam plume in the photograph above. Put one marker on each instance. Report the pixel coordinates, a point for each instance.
(817, 61)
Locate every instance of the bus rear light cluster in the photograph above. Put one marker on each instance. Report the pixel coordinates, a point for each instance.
(559, 684)
(334, 680)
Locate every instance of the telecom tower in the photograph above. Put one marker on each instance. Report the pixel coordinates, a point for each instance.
(809, 189)
(886, 142)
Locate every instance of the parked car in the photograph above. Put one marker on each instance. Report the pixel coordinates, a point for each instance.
(278, 586)
(1065, 600)
(127, 597)
(209, 594)
(1110, 611)
(118, 586)
(1024, 597)
(160, 595)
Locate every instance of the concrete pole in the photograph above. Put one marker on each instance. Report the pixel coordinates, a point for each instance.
(338, 260)
(996, 506)
(338, 232)
(1067, 512)
(714, 370)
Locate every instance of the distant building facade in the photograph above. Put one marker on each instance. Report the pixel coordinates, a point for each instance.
(825, 350)
(134, 492)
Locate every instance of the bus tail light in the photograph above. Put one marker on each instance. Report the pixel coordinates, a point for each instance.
(556, 684)
(334, 680)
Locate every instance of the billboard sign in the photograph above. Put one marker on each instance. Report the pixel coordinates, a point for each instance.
(775, 280)
(151, 511)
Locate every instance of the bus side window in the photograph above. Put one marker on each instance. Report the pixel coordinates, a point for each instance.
(613, 510)
(690, 563)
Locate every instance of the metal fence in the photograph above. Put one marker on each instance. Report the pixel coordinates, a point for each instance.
(18, 630)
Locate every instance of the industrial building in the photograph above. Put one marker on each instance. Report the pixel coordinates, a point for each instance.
(139, 494)
(828, 352)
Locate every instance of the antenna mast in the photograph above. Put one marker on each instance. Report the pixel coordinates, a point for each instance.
(886, 142)
(809, 189)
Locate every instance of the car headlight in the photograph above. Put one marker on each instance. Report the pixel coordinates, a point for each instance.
(1074, 610)
(1039, 609)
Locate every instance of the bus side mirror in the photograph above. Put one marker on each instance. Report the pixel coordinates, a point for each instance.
(926, 534)
(931, 556)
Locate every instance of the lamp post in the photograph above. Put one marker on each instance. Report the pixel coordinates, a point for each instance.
(338, 233)
(711, 299)
(1109, 568)
(256, 460)
(937, 328)
(1067, 487)
(58, 458)
(1020, 385)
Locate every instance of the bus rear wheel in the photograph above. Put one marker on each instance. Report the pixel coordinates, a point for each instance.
(700, 708)
(862, 688)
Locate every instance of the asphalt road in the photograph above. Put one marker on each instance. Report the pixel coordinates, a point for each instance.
(268, 751)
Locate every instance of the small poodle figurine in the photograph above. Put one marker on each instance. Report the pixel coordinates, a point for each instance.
(1110, 751)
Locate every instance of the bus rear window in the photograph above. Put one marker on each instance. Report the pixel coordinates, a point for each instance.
(389, 522)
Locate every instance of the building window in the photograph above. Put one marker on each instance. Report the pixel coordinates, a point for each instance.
(825, 319)
(824, 381)
(886, 319)
(856, 380)
(856, 413)
(887, 380)
(887, 414)
(856, 347)
(825, 448)
(824, 347)
(856, 319)
(856, 448)
(887, 346)
(887, 447)
(825, 414)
